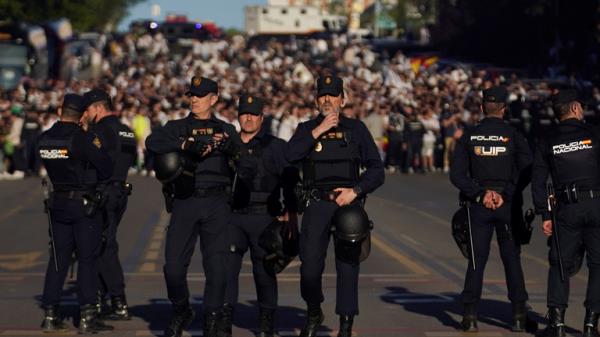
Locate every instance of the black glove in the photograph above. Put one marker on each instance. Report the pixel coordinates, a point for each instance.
(194, 145)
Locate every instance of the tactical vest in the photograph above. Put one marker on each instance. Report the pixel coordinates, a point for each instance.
(574, 158)
(257, 178)
(125, 153)
(214, 168)
(491, 157)
(333, 162)
(65, 171)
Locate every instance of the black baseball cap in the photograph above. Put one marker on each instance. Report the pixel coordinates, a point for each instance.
(96, 95)
(497, 94)
(565, 96)
(330, 85)
(74, 102)
(249, 104)
(202, 86)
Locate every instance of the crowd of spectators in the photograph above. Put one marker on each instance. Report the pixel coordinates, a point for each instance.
(415, 114)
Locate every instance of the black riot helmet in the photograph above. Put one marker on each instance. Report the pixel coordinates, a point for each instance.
(460, 231)
(168, 166)
(351, 230)
(280, 251)
(176, 170)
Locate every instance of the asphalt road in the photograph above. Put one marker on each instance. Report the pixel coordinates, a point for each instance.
(408, 287)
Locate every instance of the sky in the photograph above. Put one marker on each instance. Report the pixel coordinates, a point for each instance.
(225, 13)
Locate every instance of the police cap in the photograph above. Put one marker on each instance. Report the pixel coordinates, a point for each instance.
(565, 96)
(74, 102)
(202, 86)
(249, 104)
(330, 85)
(496, 94)
(96, 95)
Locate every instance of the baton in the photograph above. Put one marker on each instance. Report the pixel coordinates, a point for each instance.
(552, 210)
(47, 210)
(470, 236)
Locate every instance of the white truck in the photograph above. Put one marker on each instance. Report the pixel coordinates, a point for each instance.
(291, 20)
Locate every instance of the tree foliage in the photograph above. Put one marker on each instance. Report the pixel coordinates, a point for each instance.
(515, 32)
(85, 15)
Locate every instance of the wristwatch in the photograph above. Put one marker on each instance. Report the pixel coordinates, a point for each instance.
(357, 190)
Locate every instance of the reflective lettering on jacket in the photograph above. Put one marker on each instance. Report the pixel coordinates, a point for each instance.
(585, 144)
(62, 166)
(491, 156)
(574, 157)
(54, 154)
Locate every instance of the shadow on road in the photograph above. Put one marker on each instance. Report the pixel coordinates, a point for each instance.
(286, 318)
(157, 314)
(442, 305)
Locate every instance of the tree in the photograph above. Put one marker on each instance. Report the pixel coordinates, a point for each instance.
(84, 14)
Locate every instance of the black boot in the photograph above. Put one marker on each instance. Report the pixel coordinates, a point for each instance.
(266, 323)
(183, 315)
(345, 326)
(119, 310)
(590, 324)
(556, 323)
(213, 324)
(101, 304)
(227, 320)
(52, 321)
(89, 322)
(469, 321)
(314, 318)
(519, 311)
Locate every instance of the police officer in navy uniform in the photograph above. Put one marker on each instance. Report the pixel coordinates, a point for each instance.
(262, 175)
(76, 162)
(332, 149)
(570, 156)
(120, 143)
(488, 162)
(204, 211)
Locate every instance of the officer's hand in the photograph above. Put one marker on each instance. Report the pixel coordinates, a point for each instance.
(488, 199)
(330, 121)
(218, 142)
(498, 200)
(290, 228)
(345, 197)
(547, 227)
(194, 146)
(83, 124)
(218, 137)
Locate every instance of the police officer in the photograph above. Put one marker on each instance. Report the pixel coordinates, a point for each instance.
(204, 211)
(76, 162)
(570, 156)
(262, 172)
(488, 161)
(331, 148)
(120, 143)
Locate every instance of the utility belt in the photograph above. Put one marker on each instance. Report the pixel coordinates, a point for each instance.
(253, 209)
(71, 194)
(127, 187)
(573, 194)
(322, 194)
(93, 200)
(211, 191)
